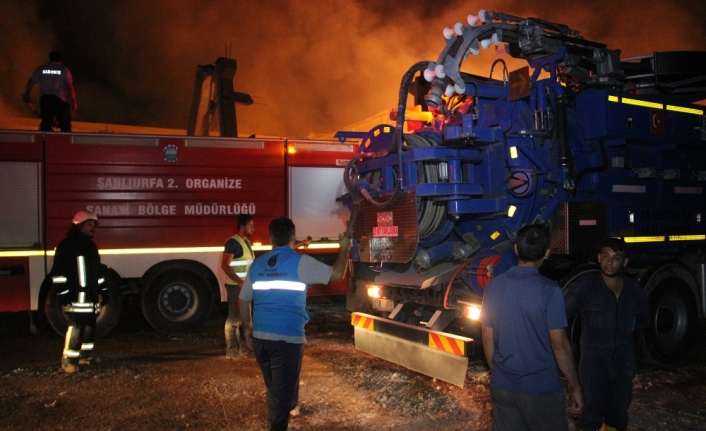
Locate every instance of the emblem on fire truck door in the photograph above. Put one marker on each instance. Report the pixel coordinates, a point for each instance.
(170, 153)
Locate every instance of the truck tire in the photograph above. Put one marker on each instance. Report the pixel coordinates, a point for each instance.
(177, 301)
(107, 319)
(672, 321)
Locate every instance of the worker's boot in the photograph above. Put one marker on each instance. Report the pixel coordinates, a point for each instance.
(232, 342)
(242, 345)
(88, 360)
(85, 357)
(68, 366)
(278, 426)
(296, 411)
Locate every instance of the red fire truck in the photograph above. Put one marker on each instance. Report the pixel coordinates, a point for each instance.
(166, 204)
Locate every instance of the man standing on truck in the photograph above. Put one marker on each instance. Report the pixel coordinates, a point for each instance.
(55, 85)
(76, 275)
(235, 262)
(276, 287)
(524, 340)
(612, 307)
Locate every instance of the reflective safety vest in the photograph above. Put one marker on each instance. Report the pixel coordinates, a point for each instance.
(241, 265)
(279, 296)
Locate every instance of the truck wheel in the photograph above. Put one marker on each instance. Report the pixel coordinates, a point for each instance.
(106, 321)
(177, 301)
(672, 321)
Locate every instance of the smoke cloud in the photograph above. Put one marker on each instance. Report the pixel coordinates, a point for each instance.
(310, 66)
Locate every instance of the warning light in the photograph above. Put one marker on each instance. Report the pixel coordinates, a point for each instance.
(374, 291)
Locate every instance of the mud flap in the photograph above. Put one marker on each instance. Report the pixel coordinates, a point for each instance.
(406, 347)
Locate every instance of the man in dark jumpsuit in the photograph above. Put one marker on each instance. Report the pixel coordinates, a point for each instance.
(76, 275)
(612, 307)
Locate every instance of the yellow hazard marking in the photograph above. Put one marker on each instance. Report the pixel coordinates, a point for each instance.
(447, 344)
(363, 322)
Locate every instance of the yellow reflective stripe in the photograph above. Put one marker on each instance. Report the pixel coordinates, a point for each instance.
(687, 237)
(71, 353)
(241, 267)
(85, 307)
(123, 251)
(69, 331)
(59, 279)
(685, 110)
(324, 246)
(68, 309)
(637, 102)
(87, 346)
(630, 239)
(81, 271)
(655, 105)
(279, 285)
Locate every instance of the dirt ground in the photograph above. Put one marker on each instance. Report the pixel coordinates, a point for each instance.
(149, 380)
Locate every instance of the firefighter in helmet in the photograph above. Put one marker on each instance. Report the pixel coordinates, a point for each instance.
(76, 275)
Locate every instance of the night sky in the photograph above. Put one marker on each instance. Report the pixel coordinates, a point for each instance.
(312, 66)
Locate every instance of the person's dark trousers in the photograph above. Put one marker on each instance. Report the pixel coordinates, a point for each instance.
(519, 412)
(281, 363)
(53, 107)
(607, 389)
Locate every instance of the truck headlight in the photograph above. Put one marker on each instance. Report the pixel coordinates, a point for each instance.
(374, 291)
(473, 312)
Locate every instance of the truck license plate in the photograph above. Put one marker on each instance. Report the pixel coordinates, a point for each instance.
(384, 304)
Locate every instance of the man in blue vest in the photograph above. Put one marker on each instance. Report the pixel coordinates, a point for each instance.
(276, 287)
(235, 261)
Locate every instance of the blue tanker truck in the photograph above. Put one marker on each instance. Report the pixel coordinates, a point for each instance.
(591, 144)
